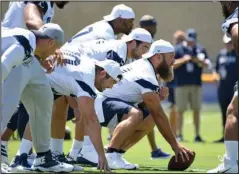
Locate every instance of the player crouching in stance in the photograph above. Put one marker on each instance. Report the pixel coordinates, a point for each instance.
(23, 53)
(119, 107)
(83, 77)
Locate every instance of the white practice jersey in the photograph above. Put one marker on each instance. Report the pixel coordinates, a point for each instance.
(76, 79)
(98, 30)
(14, 17)
(21, 38)
(101, 49)
(138, 78)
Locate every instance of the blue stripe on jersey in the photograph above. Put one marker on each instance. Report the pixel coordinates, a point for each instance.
(42, 4)
(26, 45)
(86, 88)
(112, 55)
(148, 85)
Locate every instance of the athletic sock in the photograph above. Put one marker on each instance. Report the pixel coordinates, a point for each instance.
(75, 149)
(57, 145)
(25, 146)
(112, 150)
(4, 143)
(87, 141)
(232, 150)
(121, 151)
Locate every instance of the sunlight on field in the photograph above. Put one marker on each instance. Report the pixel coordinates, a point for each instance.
(206, 153)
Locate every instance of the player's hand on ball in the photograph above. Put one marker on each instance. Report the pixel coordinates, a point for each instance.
(163, 93)
(59, 58)
(182, 159)
(103, 164)
(182, 152)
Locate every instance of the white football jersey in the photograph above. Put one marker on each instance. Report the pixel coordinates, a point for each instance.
(101, 49)
(98, 30)
(14, 17)
(138, 78)
(19, 36)
(75, 79)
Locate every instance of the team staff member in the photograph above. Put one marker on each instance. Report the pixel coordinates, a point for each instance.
(188, 79)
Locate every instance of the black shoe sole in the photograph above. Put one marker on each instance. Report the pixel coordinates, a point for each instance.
(85, 162)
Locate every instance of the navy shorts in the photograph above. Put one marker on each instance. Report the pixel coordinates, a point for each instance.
(114, 109)
(171, 96)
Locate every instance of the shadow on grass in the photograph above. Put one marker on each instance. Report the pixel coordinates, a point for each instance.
(144, 169)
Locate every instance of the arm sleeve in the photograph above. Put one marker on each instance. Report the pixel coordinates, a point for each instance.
(85, 90)
(147, 86)
(12, 57)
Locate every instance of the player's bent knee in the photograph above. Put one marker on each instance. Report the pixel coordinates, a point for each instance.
(232, 110)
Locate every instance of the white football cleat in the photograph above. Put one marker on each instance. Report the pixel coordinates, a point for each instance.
(116, 161)
(77, 168)
(46, 163)
(31, 158)
(226, 166)
(88, 156)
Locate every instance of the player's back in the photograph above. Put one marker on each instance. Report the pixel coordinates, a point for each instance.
(98, 30)
(20, 36)
(81, 72)
(138, 77)
(14, 17)
(106, 49)
(76, 64)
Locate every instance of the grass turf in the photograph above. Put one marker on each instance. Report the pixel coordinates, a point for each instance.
(206, 153)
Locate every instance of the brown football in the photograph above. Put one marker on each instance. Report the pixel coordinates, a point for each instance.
(180, 165)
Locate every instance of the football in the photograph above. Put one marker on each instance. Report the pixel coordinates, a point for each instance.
(180, 165)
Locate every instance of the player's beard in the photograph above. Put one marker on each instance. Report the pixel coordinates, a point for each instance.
(163, 70)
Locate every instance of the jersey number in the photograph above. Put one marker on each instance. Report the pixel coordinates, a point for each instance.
(90, 29)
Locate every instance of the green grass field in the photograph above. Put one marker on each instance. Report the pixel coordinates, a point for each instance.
(206, 153)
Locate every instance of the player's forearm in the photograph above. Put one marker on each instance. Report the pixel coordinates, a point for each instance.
(33, 16)
(93, 129)
(33, 24)
(91, 123)
(13, 56)
(164, 127)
